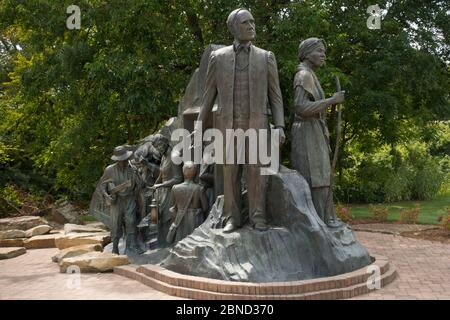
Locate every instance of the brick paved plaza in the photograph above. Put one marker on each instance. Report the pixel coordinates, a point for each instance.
(423, 268)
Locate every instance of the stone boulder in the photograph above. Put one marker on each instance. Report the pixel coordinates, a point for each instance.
(12, 252)
(38, 231)
(297, 246)
(12, 242)
(76, 228)
(12, 234)
(77, 239)
(97, 225)
(76, 251)
(21, 223)
(42, 241)
(94, 262)
(66, 213)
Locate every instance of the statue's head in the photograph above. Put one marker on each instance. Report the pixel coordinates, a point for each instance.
(161, 144)
(189, 170)
(241, 24)
(313, 50)
(121, 155)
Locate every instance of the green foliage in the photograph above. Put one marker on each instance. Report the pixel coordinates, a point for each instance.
(444, 164)
(67, 97)
(430, 210)
(428, 179)
(9, 200)
(9, 193)
(403, 173)
(87, 217)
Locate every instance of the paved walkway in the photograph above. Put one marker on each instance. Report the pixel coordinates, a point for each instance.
(34, 276)
(423, 268)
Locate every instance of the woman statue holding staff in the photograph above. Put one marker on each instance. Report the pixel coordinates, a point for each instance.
(310, 154)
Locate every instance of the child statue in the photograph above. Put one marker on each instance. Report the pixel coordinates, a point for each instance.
(190, 205)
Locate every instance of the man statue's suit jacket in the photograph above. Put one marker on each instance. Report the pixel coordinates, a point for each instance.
(264, 89)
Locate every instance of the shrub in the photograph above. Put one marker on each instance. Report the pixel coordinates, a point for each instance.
(10, 200)
(445, 220)
(380, 213)
(397, 185)
(393, 174)
(343, 213)
(428, 179)
(410, 215)
(444, 164)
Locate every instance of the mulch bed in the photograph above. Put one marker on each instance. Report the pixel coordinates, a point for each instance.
(370, 220)
(440, 235)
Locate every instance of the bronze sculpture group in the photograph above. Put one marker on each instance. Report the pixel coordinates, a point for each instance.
(243, 79)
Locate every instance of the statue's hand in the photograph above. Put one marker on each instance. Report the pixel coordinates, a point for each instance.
(338, 97)
(110, 199)
(156, 186)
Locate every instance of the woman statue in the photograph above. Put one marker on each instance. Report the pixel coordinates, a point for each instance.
(311, 150)
(170, 175)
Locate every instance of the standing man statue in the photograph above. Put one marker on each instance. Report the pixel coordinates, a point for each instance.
(310, 154)
(245, 80)
(119, 186)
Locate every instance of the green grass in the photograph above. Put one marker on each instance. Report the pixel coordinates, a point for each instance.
(429, 210)
(87, 218)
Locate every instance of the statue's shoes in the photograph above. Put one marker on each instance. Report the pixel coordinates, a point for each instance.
(229, 227)
(261, 226)
(334, 224)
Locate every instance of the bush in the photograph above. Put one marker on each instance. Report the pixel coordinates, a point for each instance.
(393, 174)
(343, 213)
(428, 175)
(10, 200)
(380, 213)
(444, 164)
(410, 215)
(445, 220)
(397, 186)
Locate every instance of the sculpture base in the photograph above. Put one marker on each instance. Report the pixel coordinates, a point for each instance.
(343, 286)
(297, 246)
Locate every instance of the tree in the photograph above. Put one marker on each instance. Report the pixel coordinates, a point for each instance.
(69, 96)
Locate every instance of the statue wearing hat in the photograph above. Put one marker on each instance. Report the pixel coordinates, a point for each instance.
(310, 154)
(119, 187)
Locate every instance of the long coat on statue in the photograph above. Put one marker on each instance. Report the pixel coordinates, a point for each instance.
(264, 98)
(264, 89)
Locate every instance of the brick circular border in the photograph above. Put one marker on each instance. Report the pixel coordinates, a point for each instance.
(342, 286)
